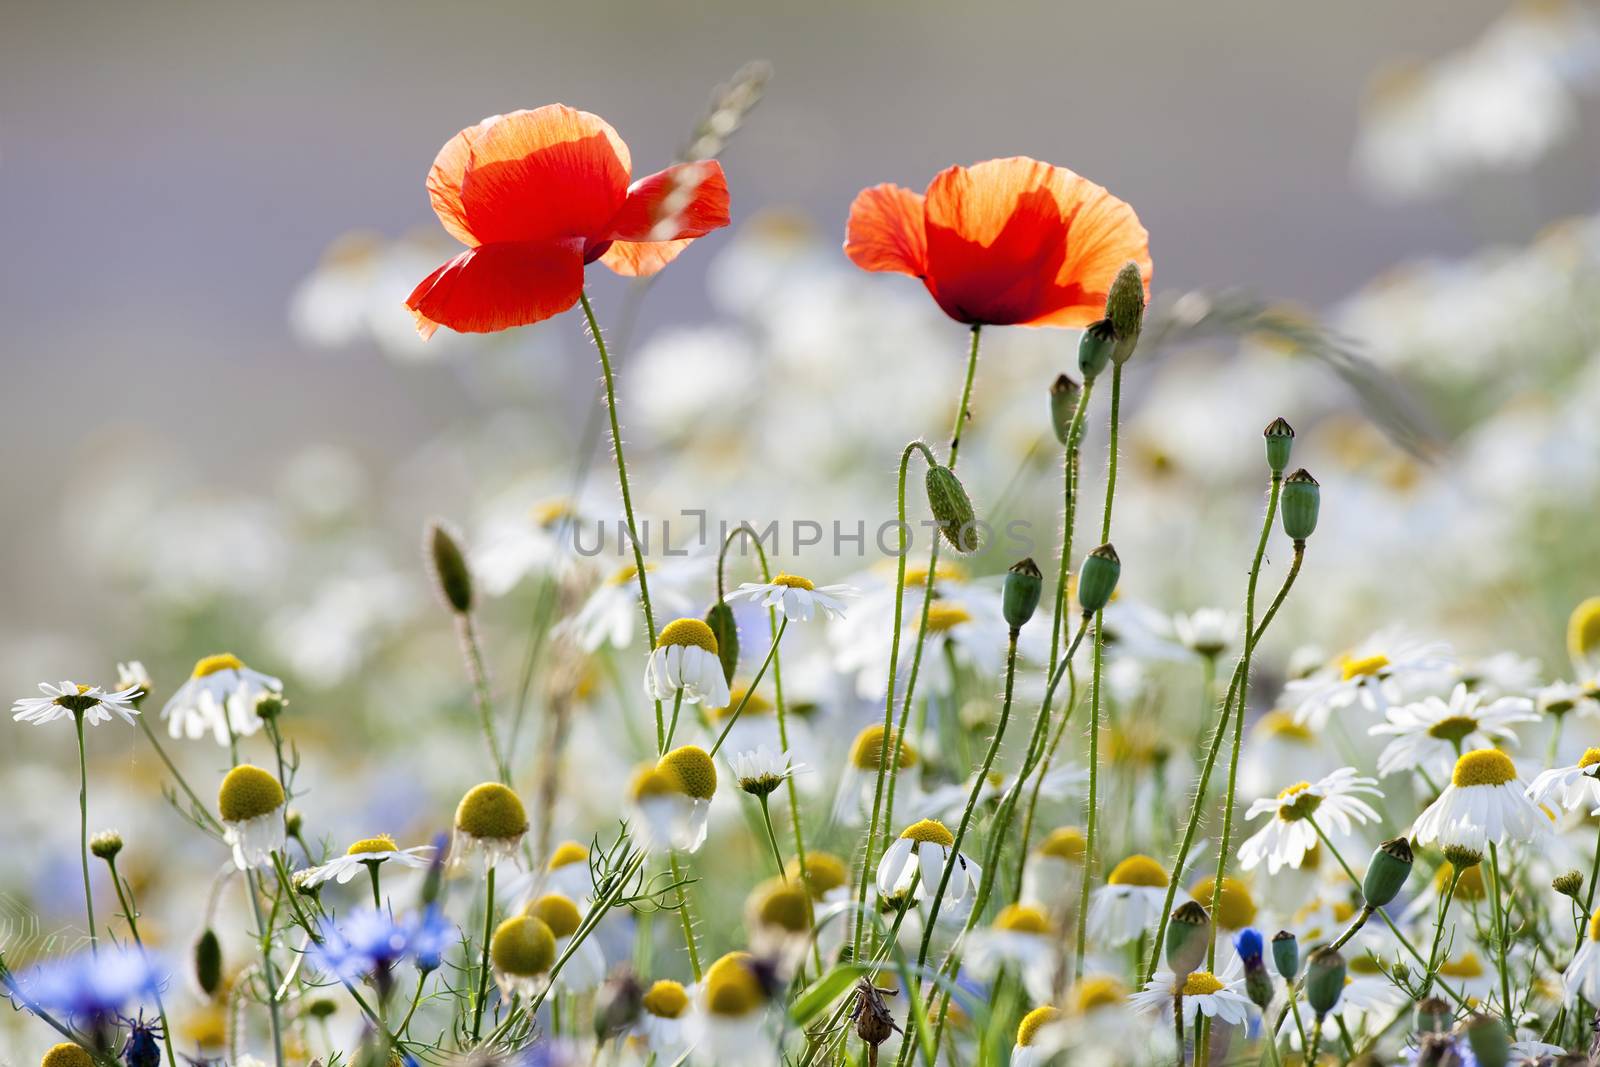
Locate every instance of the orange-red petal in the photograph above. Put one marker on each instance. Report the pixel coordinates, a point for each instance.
(886, 231)
(540, 175)
(444, 182)
(639, 259)
(498, 286)
(1017, 241)
(684, 200)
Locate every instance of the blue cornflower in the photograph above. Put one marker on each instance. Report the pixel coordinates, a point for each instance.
(1249, 945)
(94, 990)
(365, 942)
(430, 935)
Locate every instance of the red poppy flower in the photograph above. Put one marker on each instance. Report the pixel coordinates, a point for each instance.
(1007, 242)
(536, 195)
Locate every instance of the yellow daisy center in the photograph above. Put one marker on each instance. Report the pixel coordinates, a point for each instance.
(666, 999)
(381, 843)
(946, 572)
(1064, 842)
(1454, 728)
(691, 768)
(732, 987)
(1583, 629)
(566, 854)
(1484, 766)
(557, 912)
(1022, 919)
(944, 616)
(1364, 667)
(67, 1054)
(222, 661)
(1282, 724)
(1594, 926)
(1297, 802)
(929, 830)
(1237, 909)
(1200, 984)
(756, 704)
(1138, 870)
(824, 871)
(1034, 1021)
(491, 811)
(1467, 965)
(650, 781)
(624, 575)
(688, 632)
(1591, 756)
(248, 793)
(793, 581)
(1097, 991)
(783, 905)
(867, 751)
(522, 946)
(551, 512)
(1469, 888)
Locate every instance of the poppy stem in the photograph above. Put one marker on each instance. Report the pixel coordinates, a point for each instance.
(627, 496)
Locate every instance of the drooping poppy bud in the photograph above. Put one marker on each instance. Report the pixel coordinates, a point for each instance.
(449, 567)
(720, 619)
(1064, 394)
(952, 508)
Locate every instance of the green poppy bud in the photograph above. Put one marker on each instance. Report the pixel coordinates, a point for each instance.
(207, 959)
(1020, 597)
(1097, 578)
(1286, 954)
(449, 566)
(1301, 498)
(1064, 394)
(1387, 872)
(1125, 309)
(720, 619)
(1487, 1036)
(1280, 442)
(1433, 1015)
(952, 509)
(1095, 347)
(1188, 934)
(1324, 982)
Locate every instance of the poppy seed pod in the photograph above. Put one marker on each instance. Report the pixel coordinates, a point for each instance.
(1301, 498)
(1097, 578)
(1324, 984)
(1280, 442)
(1433, 1015)
(1125, 309)
(449, 568)
(1188, 934)
(1486, 1034)
(1095, 347)
(1387, 872)
(720, 619)
(1020, 597)
(1064, 394)
(1286, 954)
(952, 508)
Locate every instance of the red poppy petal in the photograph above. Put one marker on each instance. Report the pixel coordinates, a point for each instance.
(685, 200)
(886, 231)
(498, 286)
(639, 259)
(444, 182)
(1017, 241)
(543, 175)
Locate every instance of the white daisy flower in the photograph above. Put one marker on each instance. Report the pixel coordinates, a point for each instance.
(1372, 676)
(796, 597)
(729, 1026)
(1558, 698)
(1276, 741)
(1431, 733)
(1285, 839)
(585, 969)
(663, 1022)
(671, 799)
(1485, 802)
(132, 675)
(515, 545)
(369, 850)
(567, 871)
(1569, 788)
(1582, 976)
(1050, 875)
(1021, 939)
(1207, 632)
(490, 821)
(923, 848)
(70, 699)
(761, 771)
(858, 782)
(1219, 997)
(251, 803)
(685, 659)
(1039, 1037)
(1501, 674)
(219, 698)
(1130, 902)
(612, 613)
